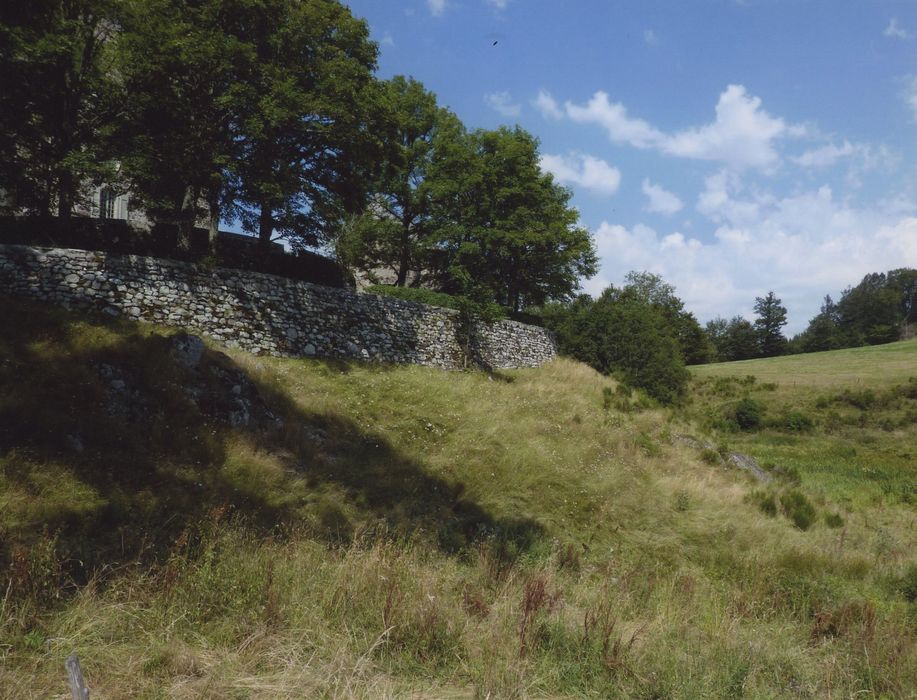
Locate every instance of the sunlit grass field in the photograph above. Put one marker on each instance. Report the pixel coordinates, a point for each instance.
(874, 366)
(369, 531)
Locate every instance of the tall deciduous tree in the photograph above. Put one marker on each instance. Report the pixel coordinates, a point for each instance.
(509, 227)
(54, 105)
(771, 318)
(397, 231)
(181, 62)
(303, 120)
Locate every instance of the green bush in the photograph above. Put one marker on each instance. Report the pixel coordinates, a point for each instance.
(798, 508)
(765, 501)
(710, 456)
(748, 414)
(794, 422)
(834, 520)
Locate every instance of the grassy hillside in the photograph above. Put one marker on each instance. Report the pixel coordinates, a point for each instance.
(234, 526)
(875, 366)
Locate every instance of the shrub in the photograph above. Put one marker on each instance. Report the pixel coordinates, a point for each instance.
(794, 422)
(863, 399)
(798, 508)
(834, 520)
(748, 414)
(710, 456)
(765, 501)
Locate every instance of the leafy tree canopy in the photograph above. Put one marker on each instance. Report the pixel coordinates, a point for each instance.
(56, 101)
(397, 230)
(506, 225)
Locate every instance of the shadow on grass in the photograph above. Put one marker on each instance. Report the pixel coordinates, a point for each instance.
(110, 442)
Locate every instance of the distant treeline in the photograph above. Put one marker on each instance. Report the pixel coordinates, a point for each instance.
(642, 333)
(880, 309)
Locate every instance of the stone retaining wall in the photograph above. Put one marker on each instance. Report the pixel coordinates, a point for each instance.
(265, 314)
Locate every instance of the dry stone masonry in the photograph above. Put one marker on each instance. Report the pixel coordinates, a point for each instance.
(265, 314)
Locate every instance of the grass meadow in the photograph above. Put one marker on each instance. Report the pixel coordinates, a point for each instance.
(263, 528)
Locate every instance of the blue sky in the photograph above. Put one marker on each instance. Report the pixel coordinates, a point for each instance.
(734, 147)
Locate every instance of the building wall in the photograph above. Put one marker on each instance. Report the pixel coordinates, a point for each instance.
(266, 314)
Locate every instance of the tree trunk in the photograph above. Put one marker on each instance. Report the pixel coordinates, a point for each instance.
(64, 195)
(213, 226)
(405, 260)
(186, 219)
(265, 228)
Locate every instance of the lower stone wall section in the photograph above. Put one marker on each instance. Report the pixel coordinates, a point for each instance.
(265, 314)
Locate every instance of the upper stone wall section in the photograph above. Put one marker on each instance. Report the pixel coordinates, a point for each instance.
(265, 314)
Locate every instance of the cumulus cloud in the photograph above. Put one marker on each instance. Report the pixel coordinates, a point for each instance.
(584, 170)
(895, 30)
(742, 135)
(437, 7)
(613, 117)
(801, 246)
(502, 102)
(660, 200)
(547, 105)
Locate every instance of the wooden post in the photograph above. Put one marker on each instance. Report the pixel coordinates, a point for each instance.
(78, 688)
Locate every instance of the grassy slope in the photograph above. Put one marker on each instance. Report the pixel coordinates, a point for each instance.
(862, 401)
(410, 530)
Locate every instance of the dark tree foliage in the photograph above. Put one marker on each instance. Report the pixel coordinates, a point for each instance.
(824, 330)
(621, 333)
(879, 309)
(882, 308)
(696, 347)
(180, 64)
(55, 101)
(397, 231)
(771, 318)
(735, 339)
(304, 132)
(506, 226)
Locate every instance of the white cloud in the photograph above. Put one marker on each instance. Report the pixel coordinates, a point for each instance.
(661, 201)
(825, 156)
(613, 117)
(499, 4)
(503, 103)
(649, 36)
(742, 135)
(583, 170)
(547, 105)
(802, 246)
(718, 201)
(909, 94)
(896, 31)
(437, 7)
(387, 39)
